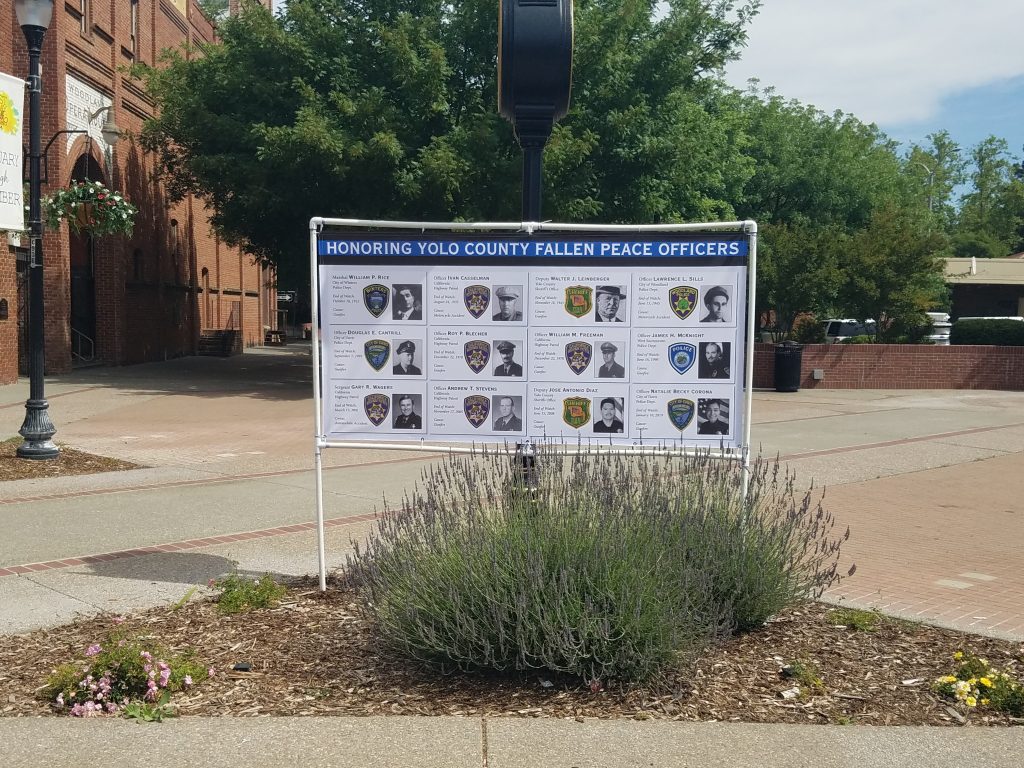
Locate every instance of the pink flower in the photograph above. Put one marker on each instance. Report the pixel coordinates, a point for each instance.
(146, 655)
(111, 707)
(188, 680)
(93, 649)
(119, 620)
(211, 672)
(165, 676)
(60, 699)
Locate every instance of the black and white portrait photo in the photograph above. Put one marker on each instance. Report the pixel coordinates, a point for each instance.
(610, 303)
(507, 412)
(505, 353)
(407, 301)
(713, 360)
(608, 418)
(408, 410)
(509, 308)
(405, 358)
(610, 368)
(712, 416)
(716, 301)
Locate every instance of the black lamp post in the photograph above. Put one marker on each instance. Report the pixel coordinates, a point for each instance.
(534, 80)
(34, 17)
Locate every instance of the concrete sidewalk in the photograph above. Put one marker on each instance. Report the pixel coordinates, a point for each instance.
(931, 484)
(452, 742)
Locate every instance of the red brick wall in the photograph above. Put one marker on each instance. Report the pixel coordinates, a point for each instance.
(900, 366)
(148, 286)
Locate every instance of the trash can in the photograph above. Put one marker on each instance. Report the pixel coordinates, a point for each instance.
(788, 357)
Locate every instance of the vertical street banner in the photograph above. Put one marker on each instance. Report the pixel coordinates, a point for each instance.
(590, 337)
(12, 114)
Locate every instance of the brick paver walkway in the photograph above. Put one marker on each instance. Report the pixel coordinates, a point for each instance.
(942, 545)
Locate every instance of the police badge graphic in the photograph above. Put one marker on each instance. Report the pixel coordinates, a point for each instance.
(578, 300)
(375, 297)
(477, 354)
(680, 412)
(476, 408)
(578, 355)
(376, 407)
(377, 352)
(576, 411)
(683, 300)
(682, 356)
(477, 299)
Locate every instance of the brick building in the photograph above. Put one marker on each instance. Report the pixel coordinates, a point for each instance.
(119, 300)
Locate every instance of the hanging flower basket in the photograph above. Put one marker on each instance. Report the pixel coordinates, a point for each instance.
(89, 207)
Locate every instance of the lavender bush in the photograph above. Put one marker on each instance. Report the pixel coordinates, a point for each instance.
(613, 567)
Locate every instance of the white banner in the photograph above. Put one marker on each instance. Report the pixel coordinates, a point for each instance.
(642, 347)
(12, 118)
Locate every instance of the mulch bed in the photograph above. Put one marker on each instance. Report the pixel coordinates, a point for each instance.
(69, 462)
(315, 655)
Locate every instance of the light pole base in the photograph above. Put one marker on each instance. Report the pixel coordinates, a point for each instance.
(37, 431)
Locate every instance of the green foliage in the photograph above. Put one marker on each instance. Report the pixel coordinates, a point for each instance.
(88, 206)
(614, 567)
(388, 110)
(978, 245)
(239, 594)
(1004, 333)
(150, 712)
(862, 621)
(861, 339)
(807, 330)
(119, 671)
(215, 10)
(893, 271)
(806, 673)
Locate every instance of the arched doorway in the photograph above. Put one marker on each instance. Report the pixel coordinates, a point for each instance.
(82, 251)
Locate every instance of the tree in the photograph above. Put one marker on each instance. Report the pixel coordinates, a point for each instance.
(388, 110)
(892, 271)
(992, 213)
(937, 170)
(215, 10)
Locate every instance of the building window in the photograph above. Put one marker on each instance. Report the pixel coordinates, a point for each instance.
(83, 7)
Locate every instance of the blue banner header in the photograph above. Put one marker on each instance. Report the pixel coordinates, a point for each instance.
(598, 249)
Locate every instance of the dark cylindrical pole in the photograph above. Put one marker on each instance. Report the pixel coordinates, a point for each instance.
(37, 428)
(533, 169)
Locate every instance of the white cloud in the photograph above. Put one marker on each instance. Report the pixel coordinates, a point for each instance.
(885, 61)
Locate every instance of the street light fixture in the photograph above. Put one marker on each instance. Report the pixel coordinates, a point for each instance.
(931, 178)
(34, 17)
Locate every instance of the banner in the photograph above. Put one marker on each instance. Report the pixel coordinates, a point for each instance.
(12, 115)
(617, 339)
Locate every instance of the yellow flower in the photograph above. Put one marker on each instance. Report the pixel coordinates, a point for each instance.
(947, 679)
(986, 682)
(958, 655)
(972, 681)
(970, 701)
(984, 702)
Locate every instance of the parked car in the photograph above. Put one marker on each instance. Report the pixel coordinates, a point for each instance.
(838, 330)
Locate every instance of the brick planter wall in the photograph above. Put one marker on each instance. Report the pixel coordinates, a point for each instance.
(900, 366)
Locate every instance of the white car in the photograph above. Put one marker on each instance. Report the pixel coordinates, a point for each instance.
(838, 330)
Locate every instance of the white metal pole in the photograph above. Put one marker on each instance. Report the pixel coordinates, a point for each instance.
(314, 284)
(749, 373)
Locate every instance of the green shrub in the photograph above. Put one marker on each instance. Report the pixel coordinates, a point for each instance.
(854, 618)
(1006, 333)
(613, 567)
(239, 594)
(862, 339)
(807, 330)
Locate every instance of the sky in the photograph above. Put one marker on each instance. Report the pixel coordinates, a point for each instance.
(913, 67)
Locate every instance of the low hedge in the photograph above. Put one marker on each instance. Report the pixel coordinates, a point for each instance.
(1004, 333)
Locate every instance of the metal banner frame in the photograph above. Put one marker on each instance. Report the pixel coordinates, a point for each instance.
(354, 229)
